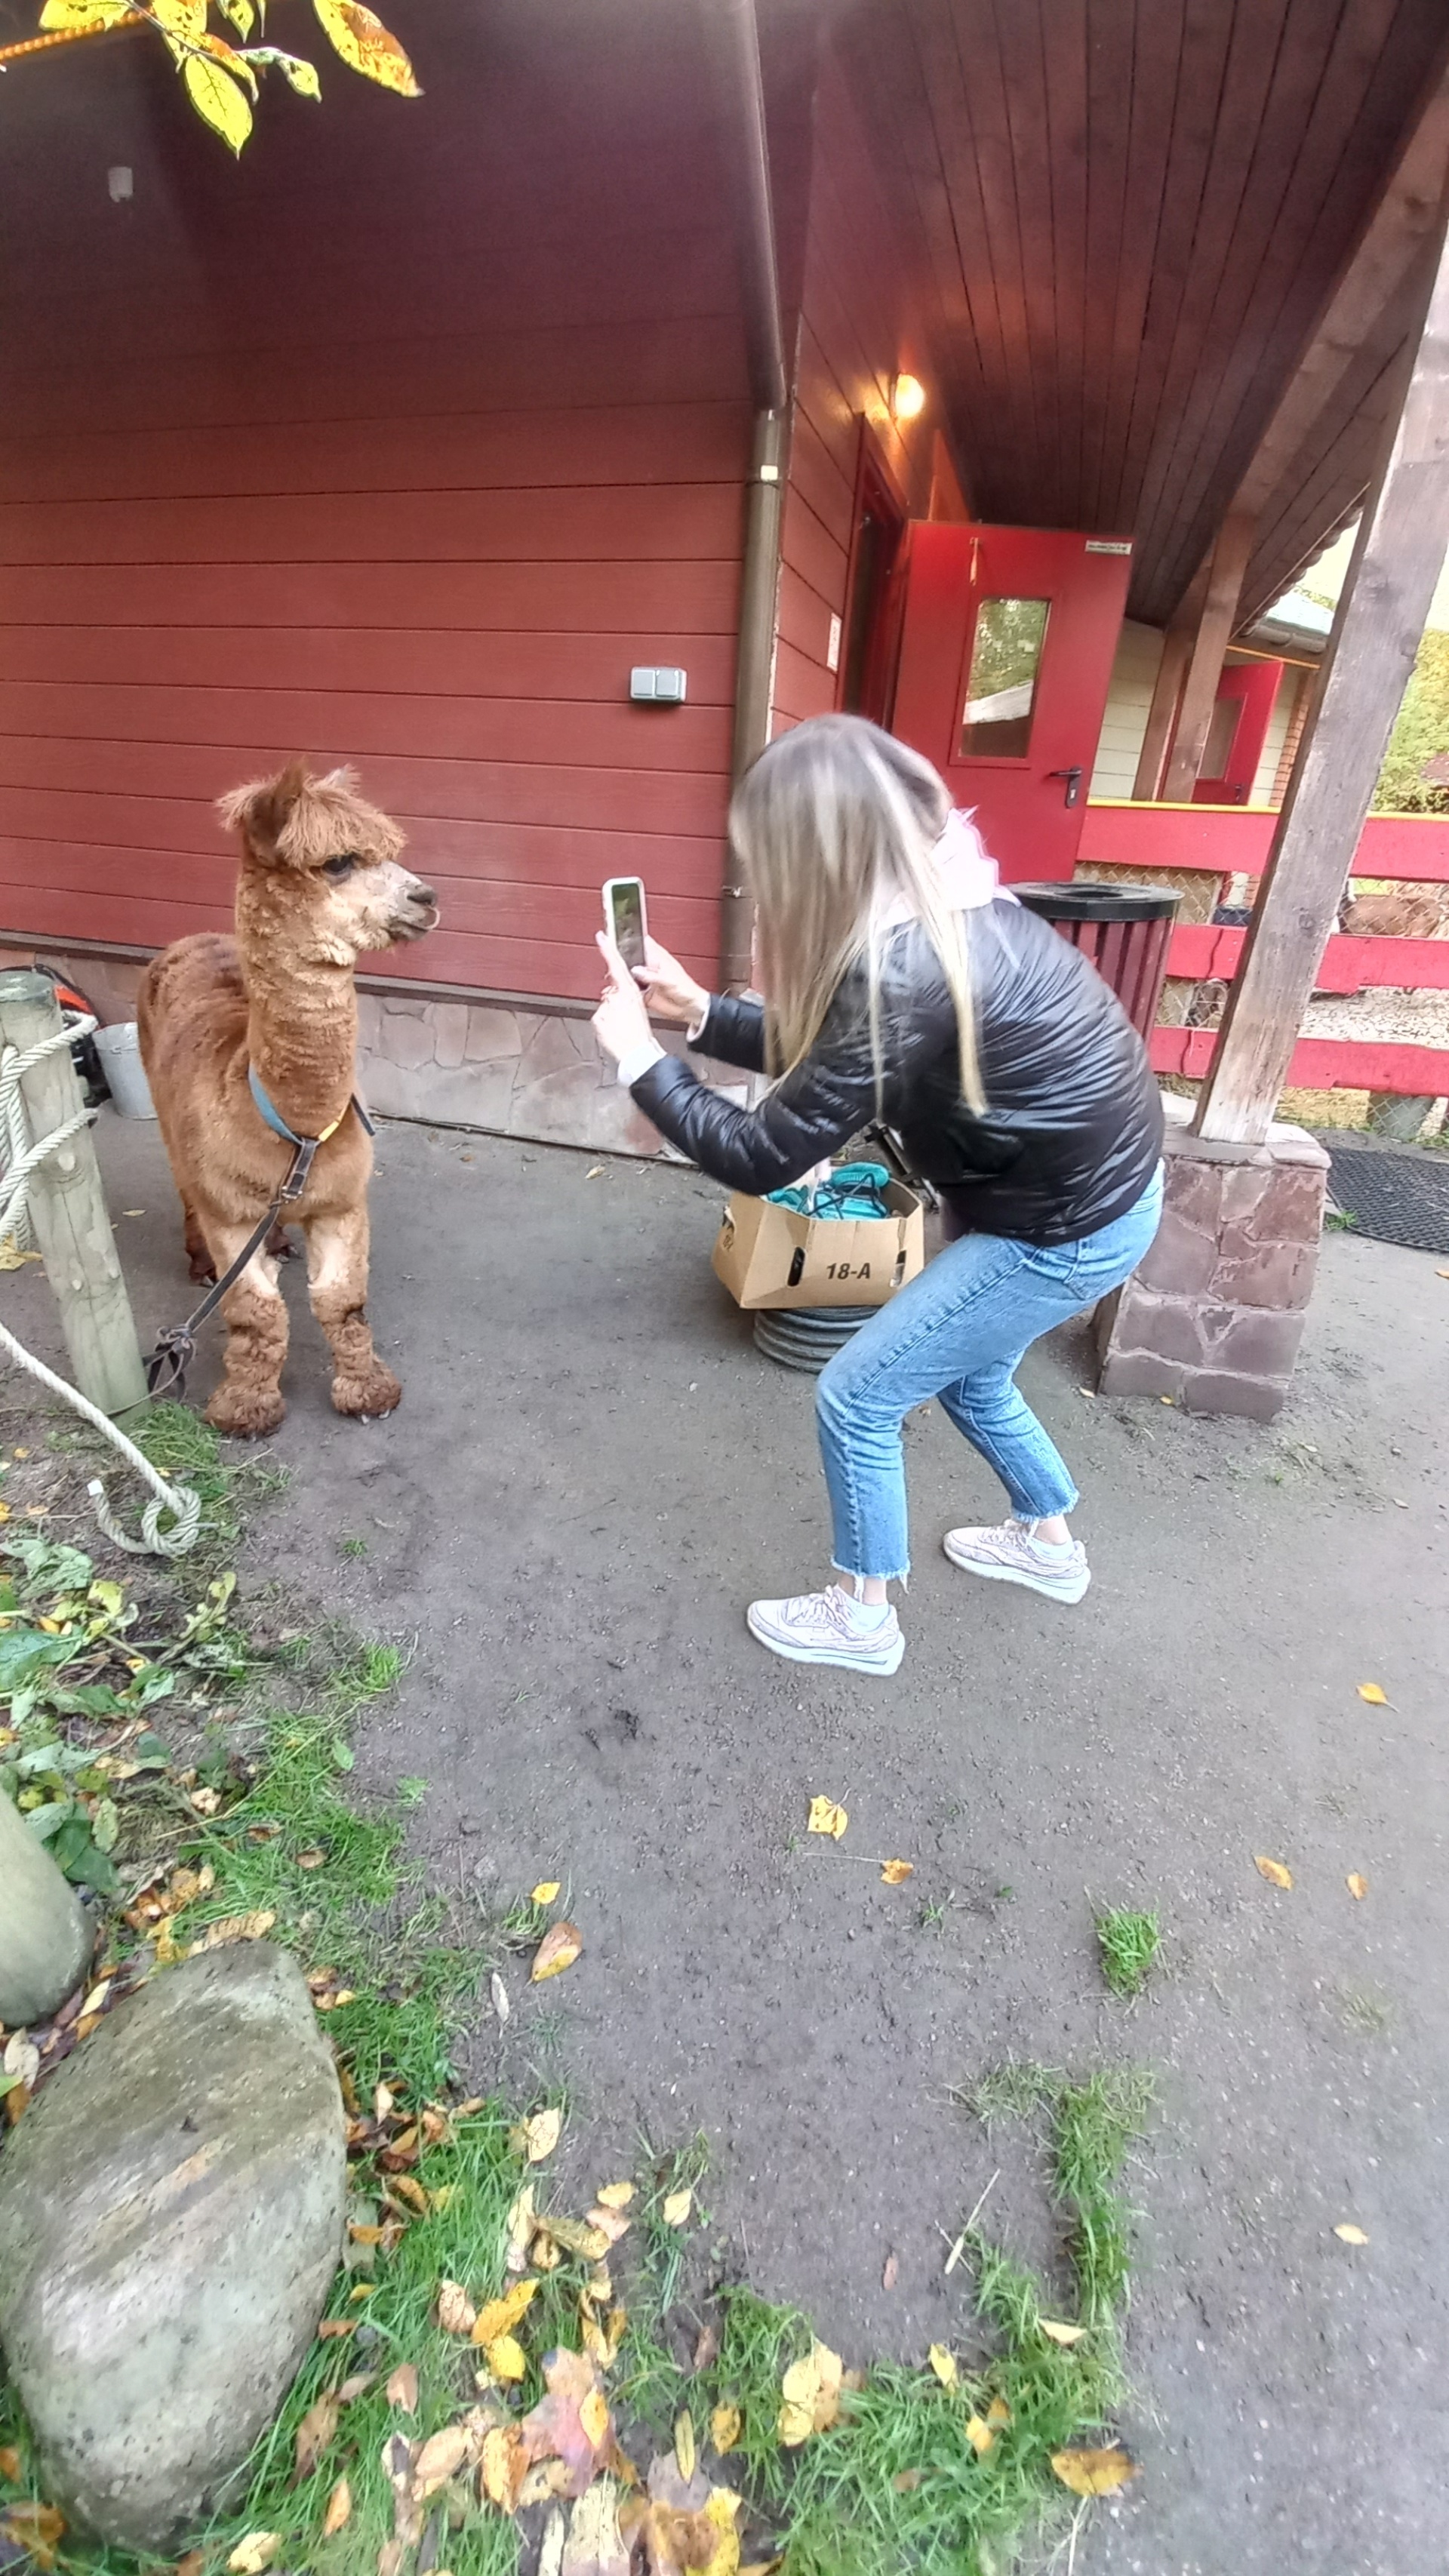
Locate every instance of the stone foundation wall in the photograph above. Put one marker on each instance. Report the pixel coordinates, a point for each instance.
(1214, 1316)
(528, 1073)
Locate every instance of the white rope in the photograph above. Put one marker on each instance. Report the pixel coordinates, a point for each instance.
(179, 1500)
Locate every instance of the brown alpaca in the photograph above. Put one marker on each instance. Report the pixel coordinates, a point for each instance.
(320, 884)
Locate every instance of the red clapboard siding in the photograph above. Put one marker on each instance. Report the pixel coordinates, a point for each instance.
(1225, 838)
(399, 442)
(1347, 965)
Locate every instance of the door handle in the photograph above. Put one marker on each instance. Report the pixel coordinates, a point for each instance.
(1073, 778)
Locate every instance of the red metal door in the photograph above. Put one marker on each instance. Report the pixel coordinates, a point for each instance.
(1006, 657)
(1247, 694)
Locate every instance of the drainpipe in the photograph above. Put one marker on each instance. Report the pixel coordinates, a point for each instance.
(736, 45)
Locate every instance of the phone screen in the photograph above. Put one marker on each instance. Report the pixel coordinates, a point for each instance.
(626, 918)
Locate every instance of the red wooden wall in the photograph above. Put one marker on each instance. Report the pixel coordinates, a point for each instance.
(855, 334)
(399, 441)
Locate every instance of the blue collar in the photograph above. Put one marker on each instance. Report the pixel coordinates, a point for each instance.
(268, 1110)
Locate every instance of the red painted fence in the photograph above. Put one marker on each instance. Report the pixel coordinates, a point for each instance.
(1228, 840)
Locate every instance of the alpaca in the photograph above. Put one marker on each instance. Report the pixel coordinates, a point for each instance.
(319, 885)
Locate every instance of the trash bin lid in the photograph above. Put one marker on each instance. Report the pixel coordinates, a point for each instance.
(1080, 899)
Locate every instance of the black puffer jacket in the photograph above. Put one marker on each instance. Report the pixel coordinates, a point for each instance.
(1073, 1124)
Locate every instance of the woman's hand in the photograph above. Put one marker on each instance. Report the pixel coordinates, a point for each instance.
(621, 1022)
(669, 993)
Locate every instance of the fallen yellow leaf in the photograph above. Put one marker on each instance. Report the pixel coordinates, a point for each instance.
(234, 1927)
(721, 2511)
(1374, 1693)
(979, 2434)
(685, 2449)
(500, 2316)
(542, 2133)
(998, 2413)
(254, 2553)
(314, 2433)
(456, 2312)
(677, 2207)
(1348, 2234)
(594, 2417)
(402, 2388)
(545, 1892)
(611, 2223)
(1094, 2473)
(810, 2395)
(504, 2465)
(520, 2229)
(1272, 1870)
(614, 2195)
(725, 2427)
(1356, 1886)
(507, 2358)
(827, 1818)
(339, 2508)
(560, 1946)
(894, 1873)
(944, 2365)
(1060, 2334)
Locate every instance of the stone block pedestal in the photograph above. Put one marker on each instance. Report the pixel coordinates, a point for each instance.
(1215, 1314)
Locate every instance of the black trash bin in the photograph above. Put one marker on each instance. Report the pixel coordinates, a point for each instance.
(1124, 929)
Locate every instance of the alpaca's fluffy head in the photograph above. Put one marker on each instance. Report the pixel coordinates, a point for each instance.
(331, 858)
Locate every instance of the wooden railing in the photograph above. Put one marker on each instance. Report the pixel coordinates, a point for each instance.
(1229, 840)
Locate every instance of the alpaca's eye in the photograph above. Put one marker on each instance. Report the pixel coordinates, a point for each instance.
(337, 869)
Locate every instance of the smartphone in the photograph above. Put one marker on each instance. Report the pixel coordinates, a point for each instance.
(625, 918)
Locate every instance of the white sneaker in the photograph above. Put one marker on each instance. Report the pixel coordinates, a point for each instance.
(1014, 1554)
(824, 1628)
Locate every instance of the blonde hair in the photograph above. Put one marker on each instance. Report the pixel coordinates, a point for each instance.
(836, 823)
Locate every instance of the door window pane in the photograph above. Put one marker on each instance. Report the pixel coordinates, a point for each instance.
(1006, 652)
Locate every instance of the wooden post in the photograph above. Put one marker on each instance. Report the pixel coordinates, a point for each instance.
(1396, 562)
(1200, 689)
(68, 1208)
(1167, 691)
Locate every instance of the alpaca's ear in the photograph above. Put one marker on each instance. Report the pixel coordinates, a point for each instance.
(261, 811)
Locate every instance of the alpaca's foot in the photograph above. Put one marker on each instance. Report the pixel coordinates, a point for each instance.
(279, 1245)
(200, 1266)
(377, 1392)
(245, 1412)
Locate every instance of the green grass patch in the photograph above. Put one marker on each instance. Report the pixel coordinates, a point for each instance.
(1128, 1944)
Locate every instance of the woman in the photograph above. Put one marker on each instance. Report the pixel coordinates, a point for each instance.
(899, 985)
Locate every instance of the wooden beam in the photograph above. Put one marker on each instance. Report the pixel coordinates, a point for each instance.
(1215, 626)
(1167, 690)
(1396, 562)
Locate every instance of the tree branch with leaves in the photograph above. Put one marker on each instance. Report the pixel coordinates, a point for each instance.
(222, 77)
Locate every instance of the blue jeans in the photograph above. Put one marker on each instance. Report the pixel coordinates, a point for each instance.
(959, 1332)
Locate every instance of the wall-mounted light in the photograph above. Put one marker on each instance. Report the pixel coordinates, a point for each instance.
(908, 398)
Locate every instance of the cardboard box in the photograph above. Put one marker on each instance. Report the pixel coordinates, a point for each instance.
(769, 1256)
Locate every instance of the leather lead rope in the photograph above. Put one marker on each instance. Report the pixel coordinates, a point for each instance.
(175, 1349)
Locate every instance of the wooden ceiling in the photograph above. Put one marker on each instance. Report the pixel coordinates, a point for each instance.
(1126, 218)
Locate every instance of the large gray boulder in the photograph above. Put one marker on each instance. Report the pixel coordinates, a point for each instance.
(45, 1932)
(171, 2215)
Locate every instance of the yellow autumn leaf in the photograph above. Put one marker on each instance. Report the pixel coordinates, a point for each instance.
(219, 101)
(826, 1817)
(676, 2208)
(722, 2510)
(558, 1949)
(594, 2417)
(685, 2448)
(254, 2553)
(402, 2388)
(1095, 2473)
(507, 2358)
(614, 2195)
(725, 2427)
(1272, 1870)
(944, 2365)
(1065, 2335)
(1356, 1885)
(810, 2395)
(545, 1892)
(894, 1873)
(74, 18)
(500, 2316)
(186, 18)
(1374, 1693)
(234, 1927)
(520, 2229)
(542, 2134)
(366, 46)
(979, 2434)
(1348, 2234)
(339, 2508)
(998, 2413)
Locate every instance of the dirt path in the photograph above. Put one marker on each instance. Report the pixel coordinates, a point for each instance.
(591, 1473)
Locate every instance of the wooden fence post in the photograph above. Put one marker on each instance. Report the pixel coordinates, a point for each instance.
(1376, 634)
(68, 1208)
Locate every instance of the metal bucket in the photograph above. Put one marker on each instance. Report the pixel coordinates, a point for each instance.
(119, 1048)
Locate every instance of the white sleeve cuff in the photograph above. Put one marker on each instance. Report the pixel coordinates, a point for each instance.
(695, 1033)
(638, 1060)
